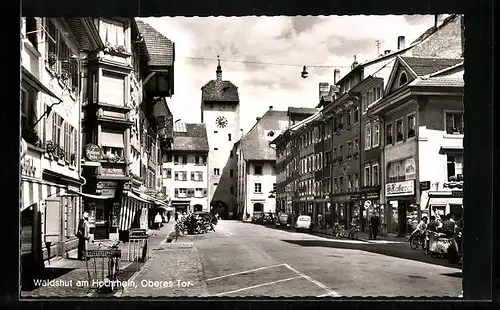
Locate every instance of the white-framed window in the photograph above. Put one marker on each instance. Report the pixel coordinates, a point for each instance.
(356, 181)
(182, 192)
(375, 175)
(376, 134)
(198, 192)
(112, 32)
(368, 136)
(454, 122)
(399, 130)
(349, 148)
(258, 188)
(454, 165)
(411, 123)
(112, 88)
(368, 180)
(350, 182)
(355, 114)
(356, 145)
(216, 171)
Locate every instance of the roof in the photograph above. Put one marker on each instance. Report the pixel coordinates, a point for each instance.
(306, 121)
(160, 49)
(424, 66)
(193, 139)
(255, 144)
(220, 90)
(419, 40)
(441, 81)
(308, 111)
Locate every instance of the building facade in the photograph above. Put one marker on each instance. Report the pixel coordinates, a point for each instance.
(220, 111)
(422, 115)
(51, 56)
(185, 168)
(256, 173)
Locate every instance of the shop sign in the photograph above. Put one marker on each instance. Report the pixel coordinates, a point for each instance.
(161, 196)
(457, 193)
(400, 188)
(93, 152)
(108, 189)
(28, 167)
(356, 196)
(372, 196)
(425, 186)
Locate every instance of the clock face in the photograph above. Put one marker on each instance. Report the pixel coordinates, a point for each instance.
(221, 122)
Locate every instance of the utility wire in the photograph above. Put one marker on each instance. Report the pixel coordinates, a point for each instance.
(264, 63)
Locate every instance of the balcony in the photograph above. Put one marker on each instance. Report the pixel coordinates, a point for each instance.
(114, 114)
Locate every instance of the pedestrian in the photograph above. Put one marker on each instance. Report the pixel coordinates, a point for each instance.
(83, 234)
(433, 224)
(168, 216)
(176, 216)
(319, 220)
(448, 227)
(374, 223)
(158, 220)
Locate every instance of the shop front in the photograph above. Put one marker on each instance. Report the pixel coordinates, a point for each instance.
(440, 203)
(340, 205)
(370, 205)
(181, 205)
(401, 201)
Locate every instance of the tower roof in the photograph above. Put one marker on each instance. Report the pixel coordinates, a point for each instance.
(218, 89)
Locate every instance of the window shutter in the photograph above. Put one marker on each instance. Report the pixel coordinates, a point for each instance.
(176, 192)
(47, 128)
(192, 176)
(54, 127)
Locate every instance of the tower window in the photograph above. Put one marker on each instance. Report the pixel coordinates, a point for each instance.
(229, 137)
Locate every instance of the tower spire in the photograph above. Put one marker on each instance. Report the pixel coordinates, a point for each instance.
(219, 69)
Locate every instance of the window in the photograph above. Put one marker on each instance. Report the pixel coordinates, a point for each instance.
(274, 187)
(403, 79)
(368, 136)
(56, 128)
(399, 130)
(215, 184)
(388, 134)
(454, 122)
(169, 173)
(215, 148)
(348, 117)
(182, 175)
(368, 176)
(112, 32)
(341, 184)
(258, 188)
(356, 146)
(182, 192)
(356, 114)
(231, 173)
(396, 171)
(112, 89)
(341, 150)
(364, 103)
(216, 171)
(231, 154)
(198, 192)
(229, 137)
(215, 131)
(356, 181)
(231, 189)
(258, 170)
(376, 134)
(411, 126)
(349, 149)
(375, 175)
(190, 192)
(198, 176)
(455, 166)
(32, 31)
(350, 182)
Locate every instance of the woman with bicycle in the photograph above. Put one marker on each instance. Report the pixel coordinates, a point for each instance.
(419, 231)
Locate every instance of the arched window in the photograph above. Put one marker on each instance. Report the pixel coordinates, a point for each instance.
(403, 79)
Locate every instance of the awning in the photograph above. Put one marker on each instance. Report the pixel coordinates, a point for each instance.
(91, 196)
(451, 149)
(131, 204)
(33, 191)
(151, 199)
(32, 80)
(443, 201)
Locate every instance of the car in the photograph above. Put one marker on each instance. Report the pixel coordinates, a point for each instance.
(284, 220)
(304, 222)
(257, 217)
(268, 218)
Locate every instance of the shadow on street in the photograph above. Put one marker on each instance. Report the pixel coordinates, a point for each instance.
(400, 251)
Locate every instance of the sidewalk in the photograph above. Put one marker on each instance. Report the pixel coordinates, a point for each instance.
(174, 270)
(70, 274)
(363, 236)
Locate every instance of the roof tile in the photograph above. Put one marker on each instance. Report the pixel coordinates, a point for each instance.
(219, 90)
(160, 48)
(193, 139)
(424, 66)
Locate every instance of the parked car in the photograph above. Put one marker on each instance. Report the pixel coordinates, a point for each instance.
(284, 220)
(304, 222)
(257, 217)
(268, 218)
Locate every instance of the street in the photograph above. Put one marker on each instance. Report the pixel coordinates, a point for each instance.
(242, 259)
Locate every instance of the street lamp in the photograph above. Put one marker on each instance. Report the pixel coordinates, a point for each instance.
(304, 74)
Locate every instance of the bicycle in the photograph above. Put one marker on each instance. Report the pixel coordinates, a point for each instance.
(341, 232)
(416, 240)
(108, 283)
(353, 232)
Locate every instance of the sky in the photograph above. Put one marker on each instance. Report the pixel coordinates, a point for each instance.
(292, 42)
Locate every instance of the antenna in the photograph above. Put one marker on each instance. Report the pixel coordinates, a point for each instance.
(378, 43)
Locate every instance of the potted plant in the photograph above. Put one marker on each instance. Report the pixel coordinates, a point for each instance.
(64, 76)
(50, 147)
(73, 159)
(121, 49)
(52, 59)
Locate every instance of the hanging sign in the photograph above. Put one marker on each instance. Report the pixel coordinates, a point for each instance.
(93, 152)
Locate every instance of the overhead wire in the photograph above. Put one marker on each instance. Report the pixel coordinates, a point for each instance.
(263, 63)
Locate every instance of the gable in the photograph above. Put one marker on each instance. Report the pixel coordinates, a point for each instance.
(401, 75)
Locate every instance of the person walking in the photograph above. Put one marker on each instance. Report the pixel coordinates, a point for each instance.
(158, 220)
(374, 224)
(319, 221)
(168, 216)
(83, 234)
(176, 216)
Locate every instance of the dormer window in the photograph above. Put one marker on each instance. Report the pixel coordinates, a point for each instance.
(403, 79)
(270, 134)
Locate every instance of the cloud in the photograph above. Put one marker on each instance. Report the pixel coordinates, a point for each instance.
(243, 42)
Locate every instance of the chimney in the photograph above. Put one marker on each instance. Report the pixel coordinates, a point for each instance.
(438, 20)
(401, 42)
(323, 90)
(336, 75)
(387, 52)
(257, 118)
(270, 107)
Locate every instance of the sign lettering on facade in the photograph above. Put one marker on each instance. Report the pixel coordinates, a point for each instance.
(400, 188)
(93, 152)
(425, 186)
(28, 167)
